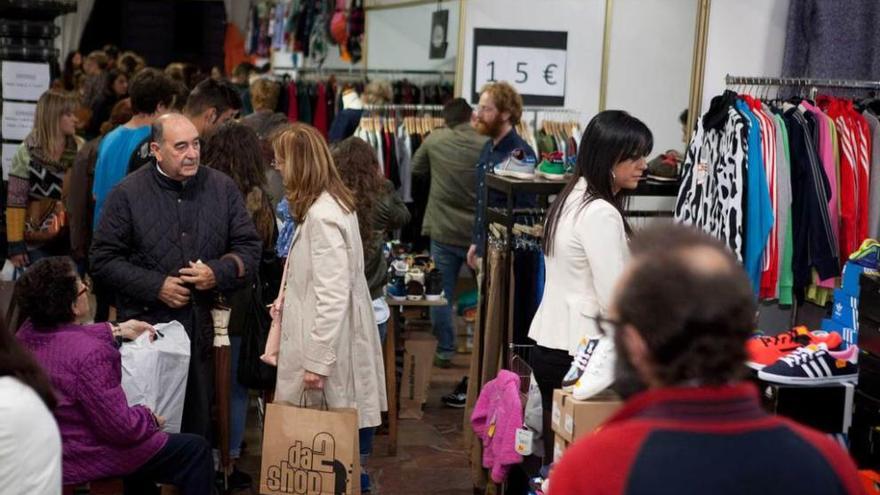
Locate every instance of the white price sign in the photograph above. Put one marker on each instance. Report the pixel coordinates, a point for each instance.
(24, 81)
(18, 120)
(532, 71)
(9, 151)
(533, 62)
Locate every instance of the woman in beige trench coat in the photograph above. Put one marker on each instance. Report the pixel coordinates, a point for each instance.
(328, 332)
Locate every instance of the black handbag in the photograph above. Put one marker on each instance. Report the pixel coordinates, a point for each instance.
(252, 372)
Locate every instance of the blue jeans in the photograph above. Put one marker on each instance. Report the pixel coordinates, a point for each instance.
(448, 259)
(238, 403)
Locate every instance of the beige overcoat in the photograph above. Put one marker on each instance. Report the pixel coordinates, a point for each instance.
(327, 324)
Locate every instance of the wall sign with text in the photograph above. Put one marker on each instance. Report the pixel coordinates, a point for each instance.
(533, 62)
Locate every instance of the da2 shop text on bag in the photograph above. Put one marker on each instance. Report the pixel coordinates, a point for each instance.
(309, 471)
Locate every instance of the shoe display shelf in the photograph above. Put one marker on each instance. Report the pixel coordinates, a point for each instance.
(391, 338)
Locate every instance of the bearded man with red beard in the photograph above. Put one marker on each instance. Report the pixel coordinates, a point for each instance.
(497, 115)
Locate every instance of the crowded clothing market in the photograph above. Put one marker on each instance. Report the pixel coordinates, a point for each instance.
(451, 247)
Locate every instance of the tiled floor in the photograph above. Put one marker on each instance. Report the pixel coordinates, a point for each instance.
(430, 457)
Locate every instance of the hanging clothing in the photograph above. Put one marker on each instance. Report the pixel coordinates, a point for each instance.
(811, 227)
(712, 191)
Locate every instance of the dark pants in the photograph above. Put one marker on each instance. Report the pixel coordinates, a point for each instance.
(185, 462)
(550, 367)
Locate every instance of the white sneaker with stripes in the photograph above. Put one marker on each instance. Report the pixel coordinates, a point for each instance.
(814, 365)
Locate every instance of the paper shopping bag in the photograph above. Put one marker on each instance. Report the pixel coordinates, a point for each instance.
(310, 451)
(154, 373)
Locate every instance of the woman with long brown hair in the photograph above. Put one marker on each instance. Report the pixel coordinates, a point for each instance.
(328, 339)
(36, 217)
(379, 211)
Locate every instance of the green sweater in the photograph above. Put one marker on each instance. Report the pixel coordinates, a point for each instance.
(450, 156)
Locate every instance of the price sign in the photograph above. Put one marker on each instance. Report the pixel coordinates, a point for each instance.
(533, 62)
(18, 120)
(24, 81)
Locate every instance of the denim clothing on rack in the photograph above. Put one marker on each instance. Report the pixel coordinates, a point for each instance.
(448, 259)
(525, 284)
(492, 155)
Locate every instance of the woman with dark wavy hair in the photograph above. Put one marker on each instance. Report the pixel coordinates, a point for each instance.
(379, 210)
(102, 436)
(234, 149)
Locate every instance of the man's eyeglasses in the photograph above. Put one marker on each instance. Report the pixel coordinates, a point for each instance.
(607, 326)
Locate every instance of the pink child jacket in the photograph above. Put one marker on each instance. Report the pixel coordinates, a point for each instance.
(499, 403)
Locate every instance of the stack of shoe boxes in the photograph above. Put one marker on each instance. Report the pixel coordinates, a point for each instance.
(572, 419)
(845, 308)
(865, 431)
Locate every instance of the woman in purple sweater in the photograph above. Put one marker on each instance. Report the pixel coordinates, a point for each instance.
(101, 435)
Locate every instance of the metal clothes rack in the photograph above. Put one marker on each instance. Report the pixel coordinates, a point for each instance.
(801, 82)
(362, 73)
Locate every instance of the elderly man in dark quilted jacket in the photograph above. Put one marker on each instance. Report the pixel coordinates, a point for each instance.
(171, 237)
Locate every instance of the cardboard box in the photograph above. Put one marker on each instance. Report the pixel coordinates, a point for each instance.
(580, 417)
(845, 309)
(851, 277)
(556, 411)
(559, 447)
(418, 362)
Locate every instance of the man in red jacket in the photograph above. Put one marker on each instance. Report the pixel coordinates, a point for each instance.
(681, 316)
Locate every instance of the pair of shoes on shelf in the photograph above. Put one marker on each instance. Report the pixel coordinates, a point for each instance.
(592, 369)
(802, 357)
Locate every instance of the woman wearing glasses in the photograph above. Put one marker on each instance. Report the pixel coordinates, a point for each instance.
(585, 247)
(101, 435)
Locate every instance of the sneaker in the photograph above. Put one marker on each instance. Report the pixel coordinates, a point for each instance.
(441, 362)
(458, 397)
(434, 285)
(665, 167)
(868, 254)
(415, 274)
(552, 167)
(518, 165)
(599, 371)
(399, 267)
(415, 290)
(579, 364)
(765, 350)
(812, 365)
(396, 288)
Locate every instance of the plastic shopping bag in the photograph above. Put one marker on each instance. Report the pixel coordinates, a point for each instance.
(154, 373)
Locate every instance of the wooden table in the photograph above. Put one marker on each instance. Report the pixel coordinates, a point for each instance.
(390, 368)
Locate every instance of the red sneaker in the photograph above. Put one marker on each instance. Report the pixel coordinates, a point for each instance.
(764, 350)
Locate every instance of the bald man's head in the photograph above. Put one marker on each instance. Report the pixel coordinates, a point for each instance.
(176, 146)
(691, 304)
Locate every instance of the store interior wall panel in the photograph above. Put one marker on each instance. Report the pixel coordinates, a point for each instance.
(584, 22)
(746, 38)
(649, 64)
(400, 38)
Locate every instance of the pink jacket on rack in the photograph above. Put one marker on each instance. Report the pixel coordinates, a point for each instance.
(497, 415)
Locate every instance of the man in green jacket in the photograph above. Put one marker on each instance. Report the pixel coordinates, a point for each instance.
(450, 155)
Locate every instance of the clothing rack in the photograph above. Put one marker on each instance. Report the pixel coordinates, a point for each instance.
(801, 82)
(403, 106)
(361, 73)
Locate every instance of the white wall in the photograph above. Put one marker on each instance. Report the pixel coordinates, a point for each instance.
(582, 19)
(649, 66)
(746, 38)
(400, 38)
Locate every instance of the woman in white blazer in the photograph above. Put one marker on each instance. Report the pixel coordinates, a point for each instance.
(585, 248)
(329, 340)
